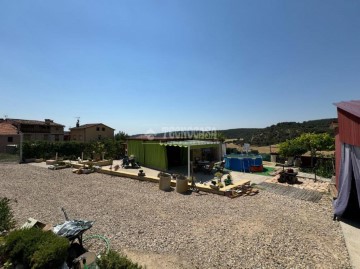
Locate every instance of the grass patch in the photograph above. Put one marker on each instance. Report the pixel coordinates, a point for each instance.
(266, 171)
(6, 157)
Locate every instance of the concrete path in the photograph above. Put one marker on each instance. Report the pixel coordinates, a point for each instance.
(290, 191)
(253, 178)
(351, 231)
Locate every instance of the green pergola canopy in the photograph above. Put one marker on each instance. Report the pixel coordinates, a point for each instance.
(191, 143)
(154, 154)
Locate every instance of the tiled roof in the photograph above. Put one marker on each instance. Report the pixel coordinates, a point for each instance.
(7, 129)
(34, 122)
(84, 126)
(352, 107)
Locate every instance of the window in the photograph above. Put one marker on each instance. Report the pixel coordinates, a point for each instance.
(97, 128)
(103, 128)
(10, 139)
(57, 137)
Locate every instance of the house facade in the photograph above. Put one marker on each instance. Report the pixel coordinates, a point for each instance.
(34, 130)
(91, 132)
(9, 137)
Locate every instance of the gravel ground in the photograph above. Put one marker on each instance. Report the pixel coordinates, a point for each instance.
(170, 230)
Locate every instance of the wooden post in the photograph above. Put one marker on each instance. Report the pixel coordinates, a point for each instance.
(189, 161)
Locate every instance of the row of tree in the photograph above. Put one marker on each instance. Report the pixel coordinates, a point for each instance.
(278, 133)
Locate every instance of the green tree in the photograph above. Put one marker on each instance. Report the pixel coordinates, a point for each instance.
(291, 148)
(121, 136)
(220, 136)
(307, 142)
(316, 142)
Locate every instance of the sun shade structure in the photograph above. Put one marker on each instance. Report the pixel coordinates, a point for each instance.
(153, 153)
(191, 144)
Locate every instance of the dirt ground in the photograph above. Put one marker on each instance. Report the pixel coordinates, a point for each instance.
(171, 230)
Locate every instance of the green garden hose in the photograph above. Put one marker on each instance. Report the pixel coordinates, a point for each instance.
(102, 238)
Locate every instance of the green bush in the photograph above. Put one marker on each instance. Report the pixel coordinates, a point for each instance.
(72, 149)
(266, 157)
(6, 216)
(114, 260)
(323, 168)
(35, 248)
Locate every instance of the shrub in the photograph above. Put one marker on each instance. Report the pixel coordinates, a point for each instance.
(265, 157)
(35, 248)
(114, 260)
(323, 168)
(72, 149)
(6, 216)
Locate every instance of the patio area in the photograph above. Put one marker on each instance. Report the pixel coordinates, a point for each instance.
(202, 180)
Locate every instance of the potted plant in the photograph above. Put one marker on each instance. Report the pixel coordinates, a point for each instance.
(218, 175)
(228, 180)
(164, 181)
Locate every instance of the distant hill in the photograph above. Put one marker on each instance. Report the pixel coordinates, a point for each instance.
(280, 132)
(271, 135)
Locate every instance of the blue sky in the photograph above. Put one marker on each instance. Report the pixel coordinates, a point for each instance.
(150, 65)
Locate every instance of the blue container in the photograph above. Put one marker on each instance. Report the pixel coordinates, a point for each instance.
(227, 163)
(242, 162)
(247, 163)
(258, 161)
(235, 164)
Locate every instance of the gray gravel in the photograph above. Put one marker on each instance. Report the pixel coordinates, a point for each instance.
(186, 231)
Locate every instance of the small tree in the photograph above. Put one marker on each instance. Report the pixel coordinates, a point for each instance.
(291, 148)
(316, 142)
(121, 136)
(307, 142)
